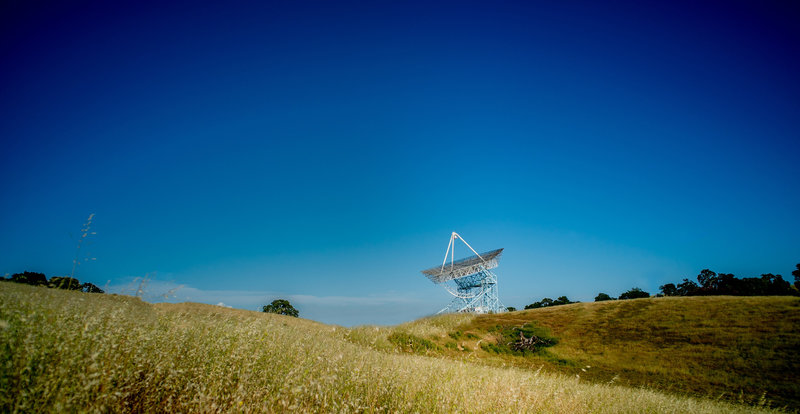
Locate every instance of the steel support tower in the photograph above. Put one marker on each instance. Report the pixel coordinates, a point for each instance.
(469, 280)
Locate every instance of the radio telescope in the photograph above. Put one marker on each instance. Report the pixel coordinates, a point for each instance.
(469, 280)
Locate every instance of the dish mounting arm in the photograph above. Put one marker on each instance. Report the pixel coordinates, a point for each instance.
(451, 248)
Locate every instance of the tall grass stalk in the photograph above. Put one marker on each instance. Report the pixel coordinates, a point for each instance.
(85, 232)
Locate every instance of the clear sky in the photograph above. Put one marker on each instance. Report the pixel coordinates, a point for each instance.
(324, 152)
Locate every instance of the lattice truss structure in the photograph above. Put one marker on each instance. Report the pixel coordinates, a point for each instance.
(469, 280)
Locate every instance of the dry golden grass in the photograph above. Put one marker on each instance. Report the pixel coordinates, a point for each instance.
(741, 349)
(77, 352)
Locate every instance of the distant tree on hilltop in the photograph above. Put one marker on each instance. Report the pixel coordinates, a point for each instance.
(56, 282)
(562, 300)
(281, 307)
(68, 283)
(687, 288)
(708, 280)
(669, 289)
(91, 288)
(634, 294)
(775, 285)
(30, 278)
(602, 297)
(728, 284)
(545, 302)
(796, 274)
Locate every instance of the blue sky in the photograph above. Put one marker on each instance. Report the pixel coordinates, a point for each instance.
(324, 152)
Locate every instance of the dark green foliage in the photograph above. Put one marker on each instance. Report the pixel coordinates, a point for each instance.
(65, 282)
(57, 282)
(766, 285)
(727, 284)
(30, 278)
(281, 307)
(687, 288)
(91, 288)
(775, 285)
(511, 309)
(492, 348)
(711, 283)
(523, 340)
(562, 300)
(669, 289)
(634, 293)
(602, 296)
(457, 335)
(708, 280)
(545, 302)
(411, 343)
(796, 274)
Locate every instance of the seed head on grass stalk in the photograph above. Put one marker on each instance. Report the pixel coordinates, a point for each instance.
(85, 232)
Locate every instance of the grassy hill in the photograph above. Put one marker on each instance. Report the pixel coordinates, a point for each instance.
(741, 349)
(72, 351)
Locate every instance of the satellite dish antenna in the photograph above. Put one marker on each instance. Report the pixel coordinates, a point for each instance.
(469, 280)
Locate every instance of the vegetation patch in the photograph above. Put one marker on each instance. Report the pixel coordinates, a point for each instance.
(545, 302)
(527, 339)
(412, 343)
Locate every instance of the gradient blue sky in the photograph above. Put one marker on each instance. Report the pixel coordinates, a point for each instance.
(325, 151)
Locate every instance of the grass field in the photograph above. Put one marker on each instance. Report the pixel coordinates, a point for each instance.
(71, 351)
(740, 349)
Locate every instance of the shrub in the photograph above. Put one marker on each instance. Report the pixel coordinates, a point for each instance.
(634, 294)
(91, 288)
(545, 302)
(68, 283)
(520, 340)
(411, 343)
(492, 348)
(602, 296)
(30, 278)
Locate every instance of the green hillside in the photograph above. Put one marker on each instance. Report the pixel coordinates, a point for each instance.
(65, 351)
(741, 349)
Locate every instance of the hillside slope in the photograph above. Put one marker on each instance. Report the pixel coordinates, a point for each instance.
(740, 349)
(77, 352)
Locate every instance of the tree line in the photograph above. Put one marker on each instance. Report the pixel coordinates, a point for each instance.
(563, 300)
(708, 283)
(711, 283)
(56, 282)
